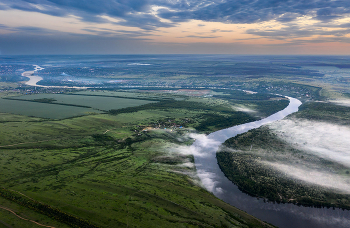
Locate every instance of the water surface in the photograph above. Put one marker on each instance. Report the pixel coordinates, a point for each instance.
(281, 215)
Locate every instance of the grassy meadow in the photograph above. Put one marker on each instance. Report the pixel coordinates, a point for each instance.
(106, 170)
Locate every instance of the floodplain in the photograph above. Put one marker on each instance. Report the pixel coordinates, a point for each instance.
(105, 156)
(114, 169)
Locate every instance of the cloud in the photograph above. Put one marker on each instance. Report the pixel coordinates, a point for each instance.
(140, 13)
(219, 30)
(202, 37)
(294, 34)
(30, 30)
(134, 13)
(252, 11)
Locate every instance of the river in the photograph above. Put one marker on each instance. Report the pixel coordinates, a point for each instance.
(281, 215)
(33, 80)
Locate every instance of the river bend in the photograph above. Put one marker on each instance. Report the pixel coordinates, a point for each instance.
(281, 215)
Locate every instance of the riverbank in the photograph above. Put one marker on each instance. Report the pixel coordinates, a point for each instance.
(281, 215)
(303, 159)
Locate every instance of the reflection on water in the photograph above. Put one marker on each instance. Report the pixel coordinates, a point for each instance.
(281, 215)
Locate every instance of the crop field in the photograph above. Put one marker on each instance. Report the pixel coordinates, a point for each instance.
(95, 102)
(105, 170)
(7, 117)
(132, 95)
(43, 110)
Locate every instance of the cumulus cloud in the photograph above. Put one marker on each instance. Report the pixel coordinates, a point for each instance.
(251, 11)
(135, 13)
(140, 13)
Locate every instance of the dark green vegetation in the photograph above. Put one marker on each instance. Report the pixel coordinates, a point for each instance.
(245, 164)
(210, 117)
(112, 170)
(45, 100)
(323, 111)
(44, 209)
(263, 103)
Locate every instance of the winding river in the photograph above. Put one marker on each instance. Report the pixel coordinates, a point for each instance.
(281, 215)
(33, 80)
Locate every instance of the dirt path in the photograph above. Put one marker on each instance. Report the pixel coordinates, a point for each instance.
(7, 209)
(109, 130)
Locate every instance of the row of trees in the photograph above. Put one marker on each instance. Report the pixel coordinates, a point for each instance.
(46, 209)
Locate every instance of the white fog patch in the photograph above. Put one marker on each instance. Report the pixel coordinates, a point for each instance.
(325, 140)
(37, 68)
(243, 108)
(187, 165)
(201, 141)
(342, 102)
(312, 176)
(208, 181)
(139, 64)
(201, 148)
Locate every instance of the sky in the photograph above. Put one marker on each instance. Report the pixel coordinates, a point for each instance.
(175, 27)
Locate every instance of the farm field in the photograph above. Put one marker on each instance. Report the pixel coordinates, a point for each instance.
(94, 102)
(145, 95)
(42, 110)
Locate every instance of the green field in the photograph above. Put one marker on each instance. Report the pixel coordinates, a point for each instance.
(43, 110)
(132, 95)
(95, 102)
(106, 171)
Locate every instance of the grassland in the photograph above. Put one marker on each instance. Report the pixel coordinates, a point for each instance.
(42, 110)
(244, 159)
(106, 170)
(324, 111)
(95, 102)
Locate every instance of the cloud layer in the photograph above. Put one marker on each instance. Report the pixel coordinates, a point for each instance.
(149, 14)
